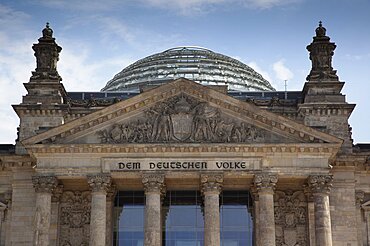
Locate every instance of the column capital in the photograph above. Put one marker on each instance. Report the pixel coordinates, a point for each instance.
(265, 182)
(211, 183)
(153, 183)
(320, 183)
(99, 182)
(44, 183)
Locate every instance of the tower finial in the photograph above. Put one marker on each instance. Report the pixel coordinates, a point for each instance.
(47, 32)
(47, 55)
(321, 53)
(320, 30)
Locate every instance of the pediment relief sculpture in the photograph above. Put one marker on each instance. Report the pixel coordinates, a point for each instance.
(183, 119)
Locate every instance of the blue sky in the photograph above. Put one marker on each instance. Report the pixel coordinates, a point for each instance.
(100, 38)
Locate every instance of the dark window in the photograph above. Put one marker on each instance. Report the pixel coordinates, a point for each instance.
(128, 215)
(236, 219)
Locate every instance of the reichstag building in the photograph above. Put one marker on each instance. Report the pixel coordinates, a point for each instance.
(186, 147)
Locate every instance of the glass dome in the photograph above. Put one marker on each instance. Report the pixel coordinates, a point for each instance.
(198, 64)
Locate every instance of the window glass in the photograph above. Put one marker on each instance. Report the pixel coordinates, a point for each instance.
(128, 217)
(235, 219)
(183, 219)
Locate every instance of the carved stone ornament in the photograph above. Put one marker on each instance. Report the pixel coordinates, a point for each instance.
(321, 53)
(320, 183)
(99, 182)
(360, 195)
(182, 119)
(57, 193)
(153, 183)
(265, 182)
(74, 225)
(47, 55)
(291, 218)
(45, 183)
(211, 183)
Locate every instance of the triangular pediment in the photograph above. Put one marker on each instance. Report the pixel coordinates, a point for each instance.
(181, 112)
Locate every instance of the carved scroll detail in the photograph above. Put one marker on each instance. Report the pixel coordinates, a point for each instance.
(291, 218)
(182, 119)
(75, 211)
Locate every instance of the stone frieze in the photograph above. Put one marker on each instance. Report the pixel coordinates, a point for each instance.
(182, 119)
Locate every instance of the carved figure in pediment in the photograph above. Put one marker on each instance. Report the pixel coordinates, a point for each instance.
(162, 128)
(182, 119)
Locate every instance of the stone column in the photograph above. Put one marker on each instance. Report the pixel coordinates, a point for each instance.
(8, 218)
(44, 186)
(310, 215)
(359, 217)
(320, 186)
(211, 188)
(366, 237)
(265, 185)
(110, 204)
(255, 215)
(2, 220)
(55, 199)
(99, 184)
(154, 187)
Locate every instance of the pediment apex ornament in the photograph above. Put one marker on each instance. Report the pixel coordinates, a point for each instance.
(182, 119)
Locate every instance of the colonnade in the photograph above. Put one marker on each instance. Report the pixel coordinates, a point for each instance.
(264, 185)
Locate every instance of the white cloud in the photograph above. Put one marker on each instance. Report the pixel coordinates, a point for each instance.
(267, 4)
(281, 71)
(259, 70)
(79, 73)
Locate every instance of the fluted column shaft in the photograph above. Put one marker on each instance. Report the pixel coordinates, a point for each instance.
(154, 188)
(265, 185)
(211, 188)
(320, 186)
(99, 185)
(44, 186)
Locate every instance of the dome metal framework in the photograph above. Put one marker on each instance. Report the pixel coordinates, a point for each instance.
(198, 64)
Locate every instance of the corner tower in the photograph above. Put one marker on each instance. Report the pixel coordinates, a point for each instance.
(324, 106)
(44, 104)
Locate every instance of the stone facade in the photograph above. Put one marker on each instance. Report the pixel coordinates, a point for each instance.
(310, 185)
